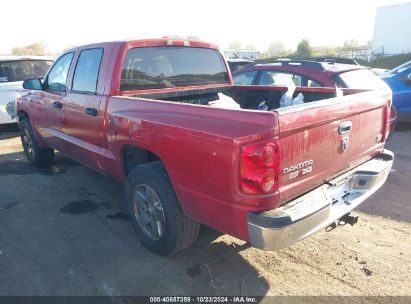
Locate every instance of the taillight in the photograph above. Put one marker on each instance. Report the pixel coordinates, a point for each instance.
(260, 166)
(387, 121)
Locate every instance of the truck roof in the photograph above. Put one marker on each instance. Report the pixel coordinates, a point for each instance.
(165, 41)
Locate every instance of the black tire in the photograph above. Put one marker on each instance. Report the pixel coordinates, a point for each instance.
(179, 231)
(39, 157)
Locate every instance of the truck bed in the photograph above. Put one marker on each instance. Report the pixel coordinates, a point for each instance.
(202, 142)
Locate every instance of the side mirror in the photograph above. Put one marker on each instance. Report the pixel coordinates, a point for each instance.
(33, 84)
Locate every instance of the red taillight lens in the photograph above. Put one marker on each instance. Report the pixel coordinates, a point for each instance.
(260, 168)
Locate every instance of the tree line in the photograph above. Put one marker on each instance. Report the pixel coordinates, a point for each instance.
(276, 49)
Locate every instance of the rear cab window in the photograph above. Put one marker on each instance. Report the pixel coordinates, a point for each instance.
(148, 68)
(20, 70)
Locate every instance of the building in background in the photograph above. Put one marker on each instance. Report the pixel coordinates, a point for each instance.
(241, 54)
(392, 30)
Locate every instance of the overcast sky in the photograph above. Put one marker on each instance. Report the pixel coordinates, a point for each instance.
(74, 22)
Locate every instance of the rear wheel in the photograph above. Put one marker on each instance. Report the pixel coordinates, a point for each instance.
(39, 157)
(155, 212)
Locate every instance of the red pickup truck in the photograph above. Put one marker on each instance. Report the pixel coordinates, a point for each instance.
(154, 115)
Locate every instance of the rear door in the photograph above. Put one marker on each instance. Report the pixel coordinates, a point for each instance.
(321, 140)
(82, 110)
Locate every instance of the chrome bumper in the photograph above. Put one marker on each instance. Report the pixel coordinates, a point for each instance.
(317, 209)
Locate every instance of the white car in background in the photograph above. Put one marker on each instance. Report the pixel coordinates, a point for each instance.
(13, 71)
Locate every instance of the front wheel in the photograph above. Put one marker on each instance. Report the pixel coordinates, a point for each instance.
(155, 212)
(39, 157)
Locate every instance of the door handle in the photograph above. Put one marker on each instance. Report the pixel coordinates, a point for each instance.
(91, 111)
(57, 104)
(345, 127)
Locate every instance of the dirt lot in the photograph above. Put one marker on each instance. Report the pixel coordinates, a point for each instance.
(64, 231)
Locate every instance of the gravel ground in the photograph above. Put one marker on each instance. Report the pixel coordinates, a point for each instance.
(64, 231)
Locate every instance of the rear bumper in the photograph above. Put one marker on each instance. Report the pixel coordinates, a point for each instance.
(317, 209)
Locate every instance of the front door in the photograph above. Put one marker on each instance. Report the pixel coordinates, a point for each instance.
(55, 91)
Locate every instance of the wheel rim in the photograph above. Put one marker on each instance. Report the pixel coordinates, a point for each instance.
(148, 211)
(28, 143)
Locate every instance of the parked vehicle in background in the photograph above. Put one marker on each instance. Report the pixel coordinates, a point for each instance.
(399, 80)
(13, 71)
(153, 114)
(238, 64)
(306, 73)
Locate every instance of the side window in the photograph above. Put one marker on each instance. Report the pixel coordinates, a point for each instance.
(87, 69)
(360, 79)
(57, 77)
(278, 79)
(312, 84)
(245, 78)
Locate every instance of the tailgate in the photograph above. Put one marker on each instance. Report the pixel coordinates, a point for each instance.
(323, 139)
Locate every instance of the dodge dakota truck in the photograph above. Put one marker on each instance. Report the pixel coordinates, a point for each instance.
(163, 117)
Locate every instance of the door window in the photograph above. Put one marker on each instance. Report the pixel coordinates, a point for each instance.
(279, 79)
(360, 79)
(87, 69)
(245, 78)
(312, 84)
(57, 77)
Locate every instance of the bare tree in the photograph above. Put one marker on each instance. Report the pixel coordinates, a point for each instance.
(37, 48)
